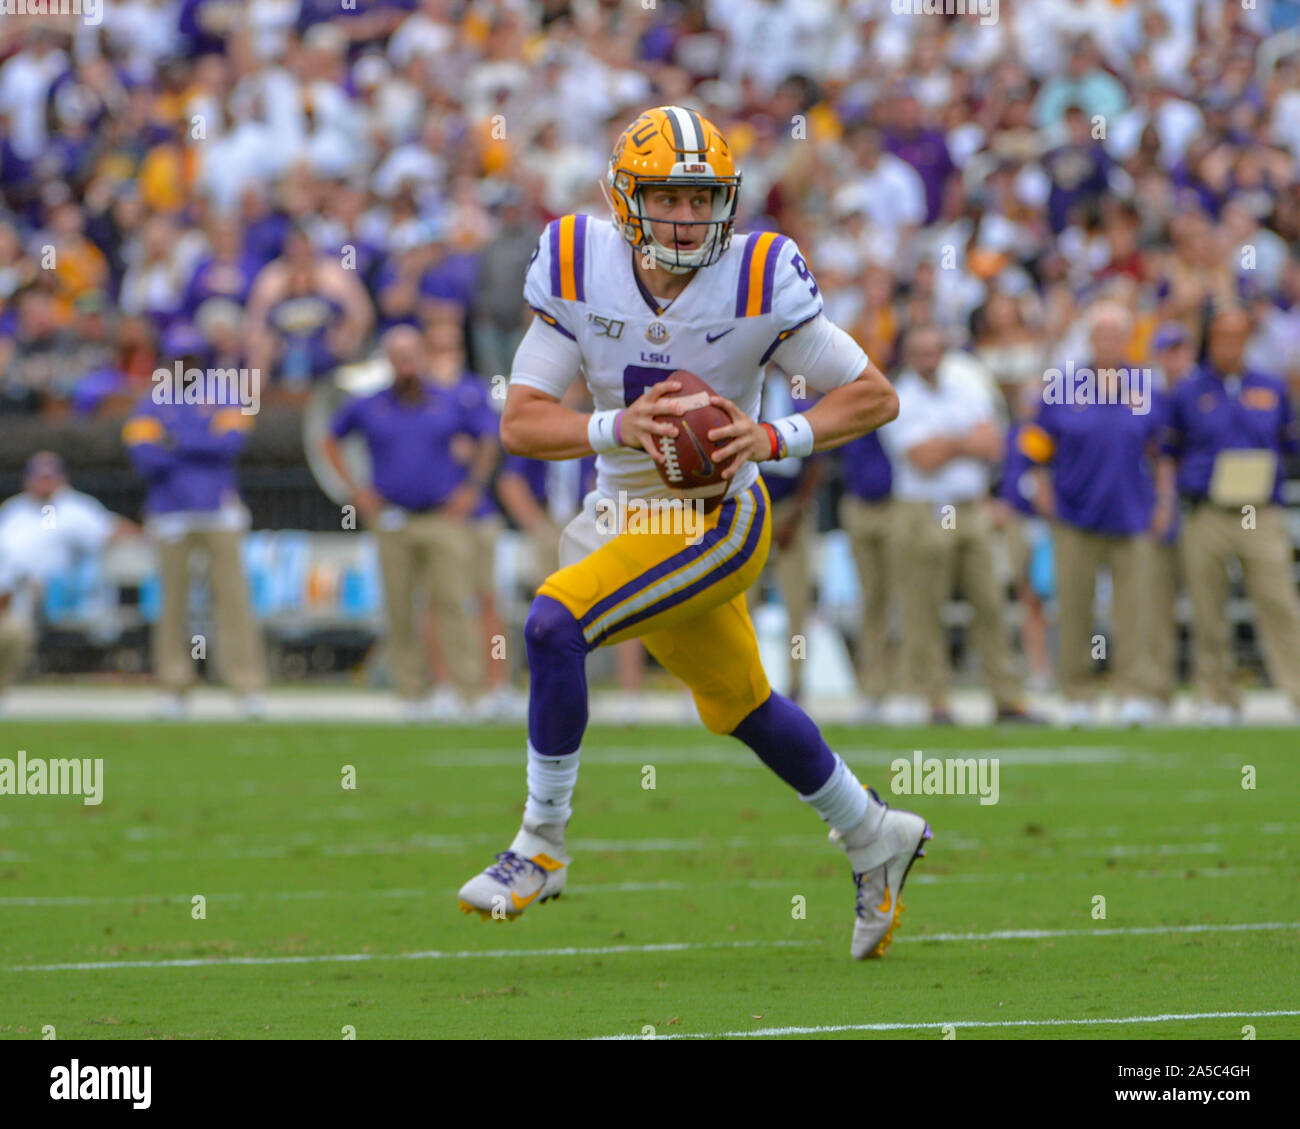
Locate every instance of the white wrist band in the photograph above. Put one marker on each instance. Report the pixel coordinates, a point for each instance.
(600, 431)
(797, 433)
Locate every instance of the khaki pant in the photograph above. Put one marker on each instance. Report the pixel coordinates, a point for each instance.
(1162, 646)
(240, 656)
(928, 561)
(434, 553)
(869, 526)
(1080, 555)
(1211, 537)
(793, 578)
(16, 638)
(546, 549)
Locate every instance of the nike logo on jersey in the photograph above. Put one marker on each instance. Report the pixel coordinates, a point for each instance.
(712, 337)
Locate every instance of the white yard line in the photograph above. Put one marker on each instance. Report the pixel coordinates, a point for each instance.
(606, 950)
(959, 1025)
(56, 901)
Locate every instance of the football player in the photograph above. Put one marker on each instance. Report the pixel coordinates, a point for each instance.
(660, 288)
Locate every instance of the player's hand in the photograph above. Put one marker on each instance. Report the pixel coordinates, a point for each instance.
(638, 426)
(749, 440)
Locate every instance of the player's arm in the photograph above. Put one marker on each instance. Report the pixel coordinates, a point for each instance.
(535, 424)
(858, 399)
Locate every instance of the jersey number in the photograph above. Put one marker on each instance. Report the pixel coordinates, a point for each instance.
(801, 269)
(637, 378)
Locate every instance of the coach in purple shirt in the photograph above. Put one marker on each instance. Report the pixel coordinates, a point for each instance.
(431, 462)
(186, 448)
(1217, 415)
(1099, 434)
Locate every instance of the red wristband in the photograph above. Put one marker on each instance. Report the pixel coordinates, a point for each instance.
(774, 438)
(618, 429)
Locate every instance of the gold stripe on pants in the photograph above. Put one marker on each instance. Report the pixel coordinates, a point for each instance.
(240, 657)
(435, 553)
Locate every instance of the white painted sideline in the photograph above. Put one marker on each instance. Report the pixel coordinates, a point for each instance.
(666, 947)
(959, 1025)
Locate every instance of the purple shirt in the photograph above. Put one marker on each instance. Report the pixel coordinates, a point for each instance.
(411, 443)
(1205, 418)
(867, 472)
(926, 151)
(536, 473)
(1018, 484)
(186, 453)
(1101, 465)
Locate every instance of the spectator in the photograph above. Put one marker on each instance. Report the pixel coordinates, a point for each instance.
(1097, 429)
(186, 451)
(1228, 431)
(941, 447)
(419, 502)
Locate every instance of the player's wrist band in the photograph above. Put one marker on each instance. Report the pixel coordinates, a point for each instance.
(774, 437)
(602, 431)
(797, 434)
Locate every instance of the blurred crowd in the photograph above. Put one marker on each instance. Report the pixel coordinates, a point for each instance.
(277, 184)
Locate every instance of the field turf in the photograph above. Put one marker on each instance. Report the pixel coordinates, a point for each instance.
(327, 908)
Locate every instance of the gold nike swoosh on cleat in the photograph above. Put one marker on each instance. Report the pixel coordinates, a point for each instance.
(889, 901)
(524, 903)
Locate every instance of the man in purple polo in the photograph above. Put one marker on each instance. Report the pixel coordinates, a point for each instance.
(1228, 431)
(419, 503)
(1097, 430)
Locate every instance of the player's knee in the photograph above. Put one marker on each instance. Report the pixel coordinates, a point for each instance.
(552, 629)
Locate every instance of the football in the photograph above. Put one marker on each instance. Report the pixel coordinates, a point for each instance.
(689, 466)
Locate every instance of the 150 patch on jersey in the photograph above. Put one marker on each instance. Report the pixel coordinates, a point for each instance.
(606, 327)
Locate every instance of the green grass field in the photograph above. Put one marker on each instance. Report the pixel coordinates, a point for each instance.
(328, 908)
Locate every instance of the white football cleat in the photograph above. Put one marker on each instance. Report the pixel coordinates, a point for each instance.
(880, 867)
(534, 868)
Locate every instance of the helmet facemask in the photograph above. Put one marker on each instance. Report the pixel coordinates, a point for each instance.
(638, 227)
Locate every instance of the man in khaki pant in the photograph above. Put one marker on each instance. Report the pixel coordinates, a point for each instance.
(867, 517)
(1100, 436)
(432, 455)
(941, 447)
(1228, 431)
(187, 454)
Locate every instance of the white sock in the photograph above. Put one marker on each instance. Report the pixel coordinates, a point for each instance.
(551, 781)
(844, 803)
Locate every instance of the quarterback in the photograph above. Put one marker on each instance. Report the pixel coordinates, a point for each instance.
(665, 287)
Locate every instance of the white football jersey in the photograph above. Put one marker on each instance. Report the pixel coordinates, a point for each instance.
(724, 326)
